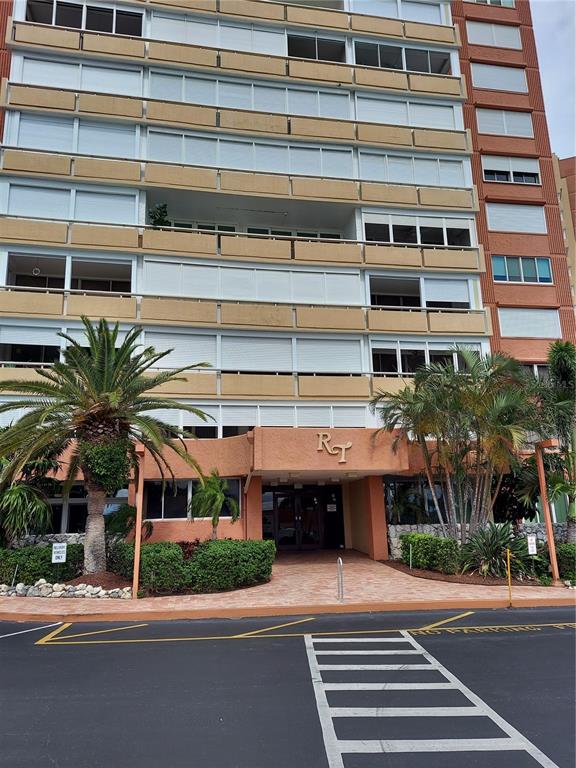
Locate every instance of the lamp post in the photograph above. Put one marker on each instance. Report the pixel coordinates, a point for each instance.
(539, 449)
(138, 526)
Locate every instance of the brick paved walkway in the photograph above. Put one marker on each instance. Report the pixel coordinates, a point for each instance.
(301, 583)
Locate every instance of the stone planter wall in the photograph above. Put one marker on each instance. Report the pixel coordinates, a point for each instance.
(43, 588)
(49, 538)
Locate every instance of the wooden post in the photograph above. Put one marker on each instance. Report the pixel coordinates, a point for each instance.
(138, 525)
(539, 452)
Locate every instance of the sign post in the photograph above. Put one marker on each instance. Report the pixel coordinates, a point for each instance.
(539, 451)
(138, 525)
(59, 552)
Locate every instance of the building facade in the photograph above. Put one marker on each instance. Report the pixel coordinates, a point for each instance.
(293, 195)
(565, 176)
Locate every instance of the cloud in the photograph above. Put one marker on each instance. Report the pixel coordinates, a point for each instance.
(555, 31)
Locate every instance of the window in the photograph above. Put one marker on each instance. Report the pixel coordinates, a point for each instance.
(529, 323)
(516, 269)
(323, 49)
(505, 217)
(516, 170)
(97, 19)
(167, 500)
(499, 3)
(504, 122)
(26, 354)
(395, 57)
(499, 35)
(418, 230)
(395, 292)
(498, 78)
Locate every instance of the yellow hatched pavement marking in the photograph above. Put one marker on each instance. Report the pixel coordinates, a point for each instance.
(447, 621)
(99, 632)
(51, 635)
(257, 632)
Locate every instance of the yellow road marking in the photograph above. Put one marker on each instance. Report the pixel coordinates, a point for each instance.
(51, 635)
(447, 621)
(414, 630)
(101, 632)
(256, 632)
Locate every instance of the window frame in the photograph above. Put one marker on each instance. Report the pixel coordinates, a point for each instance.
(521, 259)
(189, 494)
(508, 167)
(107, 7)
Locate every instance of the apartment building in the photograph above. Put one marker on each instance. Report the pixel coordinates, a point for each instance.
(288, 193)
(565, 176)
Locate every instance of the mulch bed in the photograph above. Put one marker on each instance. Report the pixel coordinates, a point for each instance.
(459, 578)
(103, 579)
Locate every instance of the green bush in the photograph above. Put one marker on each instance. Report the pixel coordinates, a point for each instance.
(162, 568)
(485, 553)
(430, 552)
(566, 554)
(36, 563)
(229, 564)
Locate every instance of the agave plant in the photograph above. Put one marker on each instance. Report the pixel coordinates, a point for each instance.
(23, 510)
(485, 553)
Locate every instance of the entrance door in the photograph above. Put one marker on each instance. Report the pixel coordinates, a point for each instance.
(302, 518)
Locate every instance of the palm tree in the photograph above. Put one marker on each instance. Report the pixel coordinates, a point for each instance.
(211, 499)
(468, 424)
(92, 409)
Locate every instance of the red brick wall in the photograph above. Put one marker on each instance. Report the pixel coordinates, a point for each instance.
(5, 13)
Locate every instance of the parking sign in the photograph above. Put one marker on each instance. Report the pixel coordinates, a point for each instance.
(59, 552)
(532, 546)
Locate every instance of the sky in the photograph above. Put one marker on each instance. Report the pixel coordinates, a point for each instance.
(555, 30)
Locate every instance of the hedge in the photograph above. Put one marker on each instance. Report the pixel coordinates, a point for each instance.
(214, 565)
(430, 552)
(36, 563)
(566, 555)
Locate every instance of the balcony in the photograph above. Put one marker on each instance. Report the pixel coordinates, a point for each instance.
(29, 35)
(179, 114)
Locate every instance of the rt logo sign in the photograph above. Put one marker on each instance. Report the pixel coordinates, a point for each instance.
(324, 440)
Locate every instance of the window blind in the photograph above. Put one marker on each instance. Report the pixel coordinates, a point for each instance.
(504, 217)
(256, 353)
(446, 290)
(187, 349)
(329, 355)
(529, 323)
(499, 78)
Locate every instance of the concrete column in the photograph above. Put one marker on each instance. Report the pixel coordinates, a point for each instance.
(376, 518)
(253, 509)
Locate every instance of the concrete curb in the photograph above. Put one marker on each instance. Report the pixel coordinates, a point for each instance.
(152, 613)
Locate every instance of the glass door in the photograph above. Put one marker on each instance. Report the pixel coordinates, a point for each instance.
(286, 533)
(308, 520)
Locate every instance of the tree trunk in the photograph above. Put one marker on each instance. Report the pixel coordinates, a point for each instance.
(214, 531)
(95, 538)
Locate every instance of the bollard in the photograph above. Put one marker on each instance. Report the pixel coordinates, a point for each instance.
(14, 576)
(410, 556)
(340, 579)
(509, 577)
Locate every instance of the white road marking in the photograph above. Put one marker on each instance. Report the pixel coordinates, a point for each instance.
(34, 629)
(336, 748)
(338, 640)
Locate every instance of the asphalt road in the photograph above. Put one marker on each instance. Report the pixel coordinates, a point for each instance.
(497, 688)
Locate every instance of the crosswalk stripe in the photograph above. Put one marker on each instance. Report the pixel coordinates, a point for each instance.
(389, 686)
(404, 712)
(401, 652)
(375, 667)
(431, 745)
(339, 640)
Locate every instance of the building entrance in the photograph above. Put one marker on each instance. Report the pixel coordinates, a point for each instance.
(308, 517)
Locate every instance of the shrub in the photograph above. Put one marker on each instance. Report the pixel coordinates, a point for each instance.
(485, 553)
(188, 548)
(430, 552)
(566, 554)
(36, 563)
(162, 567)
(229, 564)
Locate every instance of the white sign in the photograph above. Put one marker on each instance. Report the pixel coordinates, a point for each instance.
(331, 507)
(532, 546)
(59, 552)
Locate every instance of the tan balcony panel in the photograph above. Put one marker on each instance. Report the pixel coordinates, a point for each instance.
(440, 139)
(257, 183)
(313, 70)
(46, 36)
(435, 32)
(254, 10)
(332, 189)
(384, 134)
(19, 373)
(334, 386)
(110, 307)
(191, 5)
(381, 78)
(121, 106)
(24, 96)
(104, 237)
(117, 170)
(180, 176)
(392, 256)
(330, 129)
(30, 303)
(398, 194)
(446, 258)
(180, 310)
(376, 25)
(256, 385)
(253, 121)
(328, 252)
(438, 197)
(253, 62)
(188, 242)
(167, 112)
(174, 53)
(33, 230)
(436, 84)
(457, 322)
(341, 318)
(316, 17)
(391, 385)
(255, 248)
(397, 321)
(118, 46)
(190, 384)
(36, 162)
(256, 314)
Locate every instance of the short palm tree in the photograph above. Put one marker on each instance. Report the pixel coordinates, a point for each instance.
(211, 499)
(91, 410)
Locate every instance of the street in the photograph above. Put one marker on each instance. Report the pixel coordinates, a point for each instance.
(449, 689)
